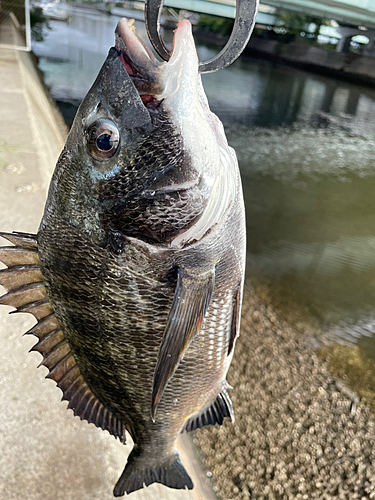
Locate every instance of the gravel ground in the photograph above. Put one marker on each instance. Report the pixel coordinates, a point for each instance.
(299, 433)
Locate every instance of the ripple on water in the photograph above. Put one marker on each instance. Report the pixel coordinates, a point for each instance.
(311, 216)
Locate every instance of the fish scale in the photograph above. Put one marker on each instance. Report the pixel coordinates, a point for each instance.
(136, 273)
(125, 340)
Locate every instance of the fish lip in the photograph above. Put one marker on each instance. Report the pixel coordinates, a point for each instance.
(138, 61)
(151, 77)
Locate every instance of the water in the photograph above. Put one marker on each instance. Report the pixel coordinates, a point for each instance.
(306, 148)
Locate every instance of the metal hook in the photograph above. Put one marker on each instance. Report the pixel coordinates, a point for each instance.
(246, 11)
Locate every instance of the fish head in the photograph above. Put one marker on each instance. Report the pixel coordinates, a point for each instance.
(143, 138)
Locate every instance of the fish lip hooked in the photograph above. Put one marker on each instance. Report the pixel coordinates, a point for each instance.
(139, 63)
(156, 80)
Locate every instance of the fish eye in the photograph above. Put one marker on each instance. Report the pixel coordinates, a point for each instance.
(103, 139)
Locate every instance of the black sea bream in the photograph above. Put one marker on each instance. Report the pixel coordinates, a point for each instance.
(136, 273)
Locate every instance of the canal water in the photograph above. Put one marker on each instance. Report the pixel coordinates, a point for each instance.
(306, 148)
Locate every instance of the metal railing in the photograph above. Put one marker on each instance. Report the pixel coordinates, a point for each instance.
(15, 30)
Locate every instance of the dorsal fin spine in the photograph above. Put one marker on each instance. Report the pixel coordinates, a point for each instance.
(42, 346)
(72, 372)
(104, 418)
(52, 352)
(33, 306)
(87, 408)
(71, 390)
(43, 326)
(77, 397)
(47, 337)
(24, 240)
(120, 428)
(54, 357)
(16, 256)
(57, 370)
(23, 281)
(82, 402)
(90, 418)
(23, 296)
(110, 421)
(99, 416)
(21, 267)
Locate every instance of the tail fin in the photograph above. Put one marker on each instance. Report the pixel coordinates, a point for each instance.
(171, 473)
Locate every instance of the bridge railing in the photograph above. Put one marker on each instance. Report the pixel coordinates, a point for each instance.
(360, 4)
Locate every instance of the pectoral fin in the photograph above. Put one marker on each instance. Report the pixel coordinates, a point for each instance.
(189, 306)
(236, 313)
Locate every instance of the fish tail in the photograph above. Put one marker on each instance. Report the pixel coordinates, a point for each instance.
(170, 472)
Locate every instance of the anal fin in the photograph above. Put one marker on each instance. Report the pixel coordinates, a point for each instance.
(213, 415)
(26, 292)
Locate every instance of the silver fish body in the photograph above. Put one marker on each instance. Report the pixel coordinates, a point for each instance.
(141, 251)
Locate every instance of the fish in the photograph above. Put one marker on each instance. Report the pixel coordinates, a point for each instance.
(135, 276)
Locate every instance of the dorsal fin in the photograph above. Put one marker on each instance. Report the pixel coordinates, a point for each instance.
(12, 256)
(24, 297)
(24, 240)
(25, 291)
(17, 276)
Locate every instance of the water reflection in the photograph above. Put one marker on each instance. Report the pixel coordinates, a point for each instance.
(306, 148)
(311, 215)
(258, 93)
(71, 55)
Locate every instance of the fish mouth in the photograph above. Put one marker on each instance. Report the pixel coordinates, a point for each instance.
(150, 76)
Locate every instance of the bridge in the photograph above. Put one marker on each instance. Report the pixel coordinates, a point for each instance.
(349, 12)
(352, 12)
(354, 17)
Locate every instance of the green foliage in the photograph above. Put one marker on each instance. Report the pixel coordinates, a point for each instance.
(296, 22)
(37, 16)
(216, 24)
(38, 24)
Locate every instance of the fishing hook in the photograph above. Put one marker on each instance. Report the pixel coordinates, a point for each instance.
(246, 11)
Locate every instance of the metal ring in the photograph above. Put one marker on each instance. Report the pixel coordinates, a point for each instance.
(246, 11)
(153, 10)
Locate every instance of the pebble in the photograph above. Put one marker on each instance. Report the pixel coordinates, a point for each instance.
(299, 433)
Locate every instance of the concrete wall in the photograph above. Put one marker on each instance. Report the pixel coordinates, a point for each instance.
(353, 66)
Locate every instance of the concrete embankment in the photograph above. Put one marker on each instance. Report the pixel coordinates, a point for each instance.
(46, 452)
(352, 67)
(348, 66)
